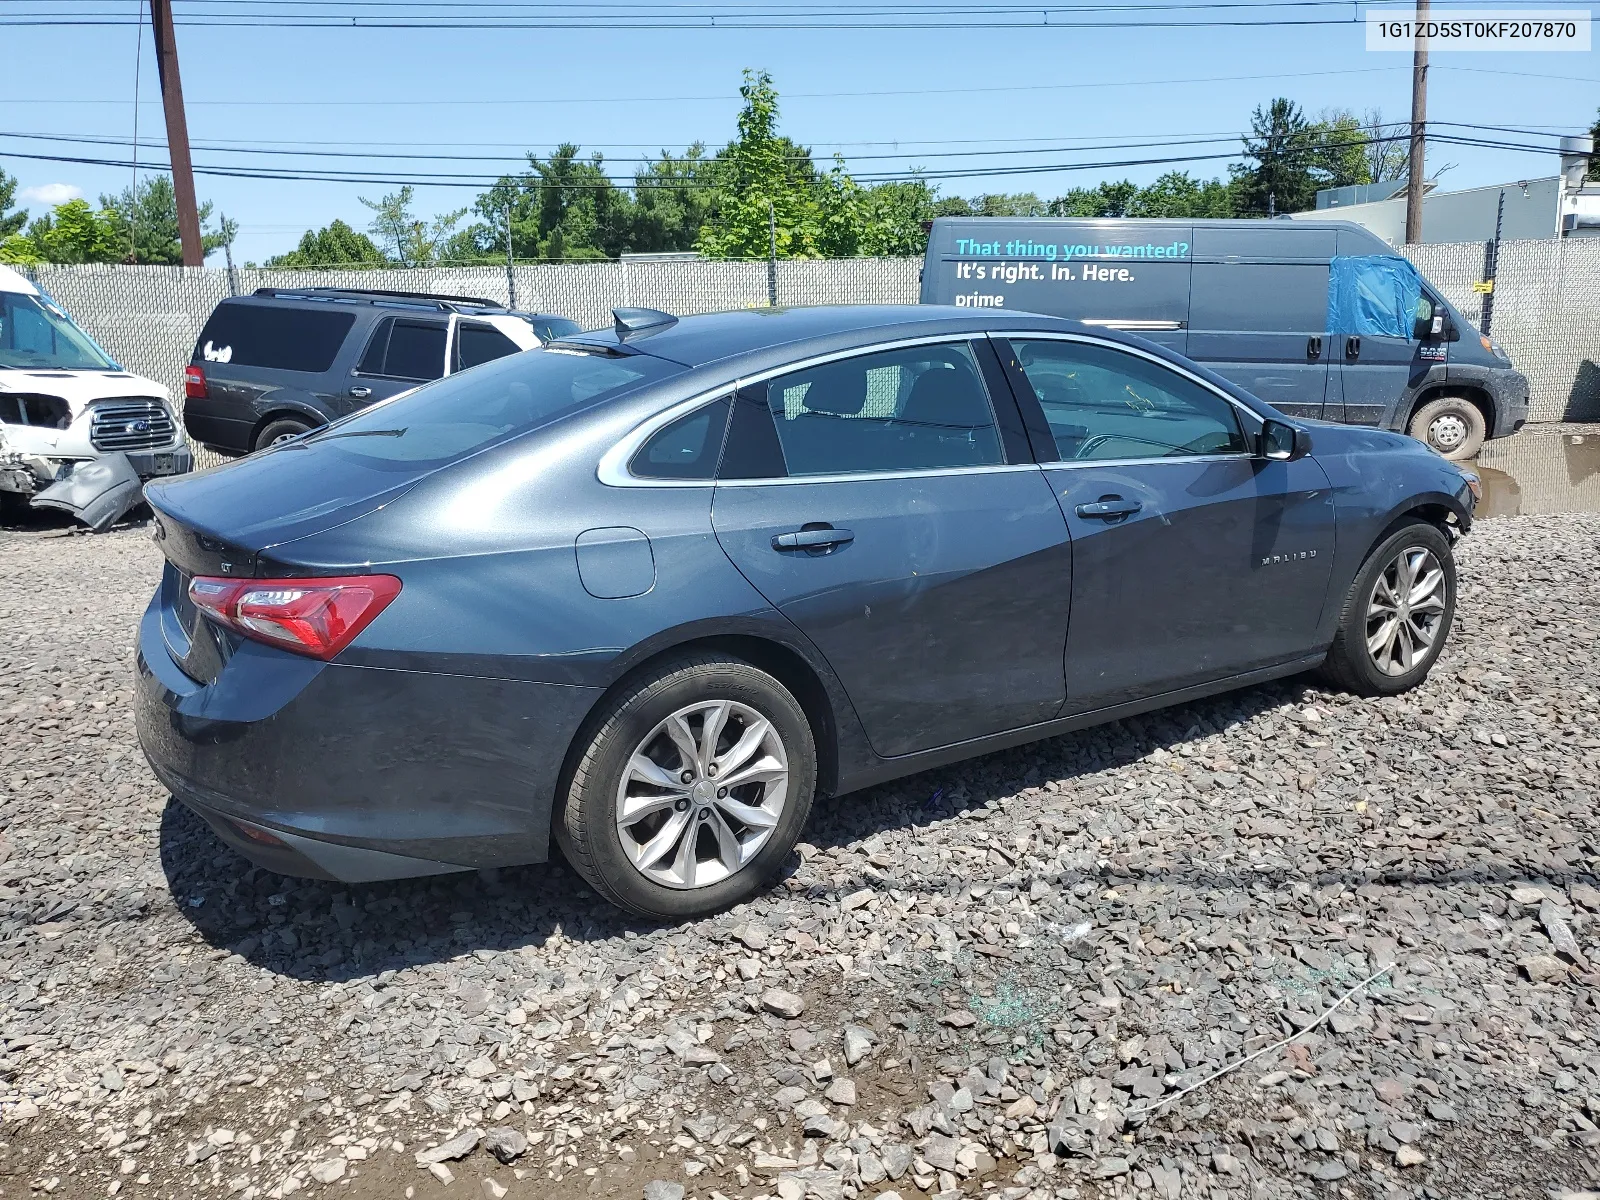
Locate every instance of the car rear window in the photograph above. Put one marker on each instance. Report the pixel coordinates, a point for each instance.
(551, 328)
(271, 335)
(454, 416)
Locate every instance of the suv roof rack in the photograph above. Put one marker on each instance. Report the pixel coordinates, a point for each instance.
(443, 302)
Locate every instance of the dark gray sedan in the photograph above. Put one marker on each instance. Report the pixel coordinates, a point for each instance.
(649, 591)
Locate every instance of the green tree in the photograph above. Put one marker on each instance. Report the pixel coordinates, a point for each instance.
(1387, 151)
(1102, 200)
(334, 245)
(406, 239)
(10, 222)
(894, 217)
(1342, 146)
(993, 204)
(672, 199)
(1594, 163)
(144, 221)
(1282, 148)
(70, 233)
(761, 177)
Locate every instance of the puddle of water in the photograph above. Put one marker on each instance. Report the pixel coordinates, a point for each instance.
(1541, 470)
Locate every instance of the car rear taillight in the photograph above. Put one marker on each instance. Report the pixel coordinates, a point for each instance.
(317, 617)
(194, 383)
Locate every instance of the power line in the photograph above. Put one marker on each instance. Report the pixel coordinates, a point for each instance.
(725, 97)
(481, 181)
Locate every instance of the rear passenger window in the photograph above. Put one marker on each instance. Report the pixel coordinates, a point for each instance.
(402, 349)
(688, 448)
(918, 408)
(271, 335)
(1104, 403)
(480, 344)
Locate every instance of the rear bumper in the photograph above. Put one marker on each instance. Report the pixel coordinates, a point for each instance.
(357, 773)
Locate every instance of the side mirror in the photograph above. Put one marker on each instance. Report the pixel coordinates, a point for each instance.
(1282, 442)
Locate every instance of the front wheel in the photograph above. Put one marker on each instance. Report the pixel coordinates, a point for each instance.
(692, 790)
(1397, 616)
(1452, 425)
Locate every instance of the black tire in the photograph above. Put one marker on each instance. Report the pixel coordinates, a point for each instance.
(280, 430)
(1350, 665)
(586, 827)
(1452, 425)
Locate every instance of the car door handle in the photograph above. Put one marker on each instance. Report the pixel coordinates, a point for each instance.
(360, 393)
(1352, 347)
(812, 539)
(1109, 509)
(1313, 348)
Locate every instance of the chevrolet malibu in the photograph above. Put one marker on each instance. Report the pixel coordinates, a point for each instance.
(649, 591)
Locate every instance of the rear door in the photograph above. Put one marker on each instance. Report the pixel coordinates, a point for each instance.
(401, 353)
(1258, 309)
(872, 500)
(1193, 560)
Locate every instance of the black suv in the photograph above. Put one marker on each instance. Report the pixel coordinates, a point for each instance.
(269, 366)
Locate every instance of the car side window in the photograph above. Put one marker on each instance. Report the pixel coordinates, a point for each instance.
(908, 409)
(402, 349)
(687, 448)
(1105, 403)
(480, 344)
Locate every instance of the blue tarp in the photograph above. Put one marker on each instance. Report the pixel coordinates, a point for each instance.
(1374, 295)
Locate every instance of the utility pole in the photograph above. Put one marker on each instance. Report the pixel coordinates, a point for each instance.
(1419, 121)
(177, 132)
(511, 274)
(227, 250)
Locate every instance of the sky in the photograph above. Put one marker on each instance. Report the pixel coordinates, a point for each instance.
(945, 98)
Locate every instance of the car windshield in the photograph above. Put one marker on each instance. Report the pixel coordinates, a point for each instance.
(36, 332)
(456, 415)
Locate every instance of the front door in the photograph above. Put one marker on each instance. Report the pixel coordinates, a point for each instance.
(1193, 560)
(931, 574)
(1376, 370)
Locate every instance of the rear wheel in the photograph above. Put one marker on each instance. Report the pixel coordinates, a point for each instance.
(282, 430)
(1452, 425)
(1397, 615)
(692, 789)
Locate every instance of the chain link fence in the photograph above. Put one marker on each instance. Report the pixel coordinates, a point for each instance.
(1546, 309)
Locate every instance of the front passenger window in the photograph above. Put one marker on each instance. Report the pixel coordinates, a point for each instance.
(1104, 403)
(916, 408)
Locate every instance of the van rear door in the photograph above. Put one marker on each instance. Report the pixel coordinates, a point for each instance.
(1258, 310)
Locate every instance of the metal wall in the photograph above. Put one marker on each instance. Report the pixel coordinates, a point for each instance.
(1546, 309)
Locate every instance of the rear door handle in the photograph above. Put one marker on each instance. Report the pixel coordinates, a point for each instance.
(1109, 508)
(1313, 348)
(360, 393)
(812, 539)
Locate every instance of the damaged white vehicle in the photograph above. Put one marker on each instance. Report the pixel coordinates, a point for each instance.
(77, 432)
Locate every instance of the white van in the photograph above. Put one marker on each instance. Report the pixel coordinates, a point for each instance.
(77, 432)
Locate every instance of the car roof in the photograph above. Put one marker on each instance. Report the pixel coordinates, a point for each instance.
(384, 298)
(790, 333)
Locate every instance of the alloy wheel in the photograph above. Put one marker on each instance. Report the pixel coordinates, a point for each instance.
(702, 793)
(1405, 610)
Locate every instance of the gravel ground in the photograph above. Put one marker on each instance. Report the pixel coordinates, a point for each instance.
(996, 979)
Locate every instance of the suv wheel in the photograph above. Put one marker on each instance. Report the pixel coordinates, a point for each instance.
(282, 430)
(1452, 425)
(1397, 615)
(692, 789)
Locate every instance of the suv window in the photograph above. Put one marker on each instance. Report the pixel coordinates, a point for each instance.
(272, 335)
(480, 344)
(910, 409)
(405, 349)
(1105, 403)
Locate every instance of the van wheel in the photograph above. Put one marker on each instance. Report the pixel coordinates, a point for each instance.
(1452, 425)
(692, 789)
(1397, 615)
(282, 430)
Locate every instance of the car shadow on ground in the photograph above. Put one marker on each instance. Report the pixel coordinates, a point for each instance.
(323, 931)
